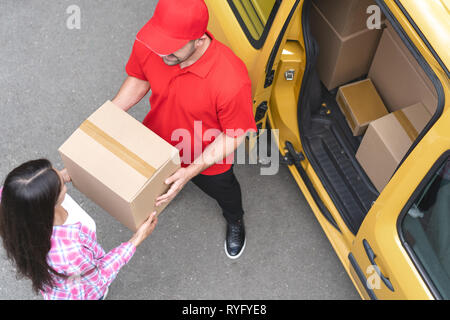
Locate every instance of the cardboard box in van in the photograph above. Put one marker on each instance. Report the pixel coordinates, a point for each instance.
(346, 16)
(342, 59)
(414, 63)
(360, 104)
(398, 77)
(119, 164)
(388, 139)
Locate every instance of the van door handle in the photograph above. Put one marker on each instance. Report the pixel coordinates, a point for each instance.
(371, 255)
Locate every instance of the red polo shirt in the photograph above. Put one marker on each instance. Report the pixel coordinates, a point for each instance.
(190, 107)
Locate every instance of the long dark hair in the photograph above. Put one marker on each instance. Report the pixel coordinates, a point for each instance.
(27, 211)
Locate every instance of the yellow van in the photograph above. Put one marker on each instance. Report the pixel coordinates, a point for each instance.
(382, 200)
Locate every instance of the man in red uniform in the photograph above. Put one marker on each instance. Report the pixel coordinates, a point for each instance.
(200, 102)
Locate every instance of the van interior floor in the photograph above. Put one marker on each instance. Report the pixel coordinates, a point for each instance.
(333, 147)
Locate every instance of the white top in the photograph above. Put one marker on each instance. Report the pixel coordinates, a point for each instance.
(77, 214)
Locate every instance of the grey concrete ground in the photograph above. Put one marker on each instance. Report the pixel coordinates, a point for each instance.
(52, 78)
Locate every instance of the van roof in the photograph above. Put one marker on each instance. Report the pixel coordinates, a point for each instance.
(433, 20)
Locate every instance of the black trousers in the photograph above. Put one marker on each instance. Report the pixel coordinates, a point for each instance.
(225, 188)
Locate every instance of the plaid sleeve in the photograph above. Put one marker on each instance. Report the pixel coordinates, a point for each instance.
(107, 265)
(89, 239)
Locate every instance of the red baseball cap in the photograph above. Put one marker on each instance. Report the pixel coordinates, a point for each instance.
(174, 24)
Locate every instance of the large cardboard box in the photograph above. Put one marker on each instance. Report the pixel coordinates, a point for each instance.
(346, 16)
(119, 164)
(398, 77)
(388, 139)
(342, 59)
(361, 104)
(414, 63)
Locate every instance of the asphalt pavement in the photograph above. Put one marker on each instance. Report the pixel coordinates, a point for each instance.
(54, 75)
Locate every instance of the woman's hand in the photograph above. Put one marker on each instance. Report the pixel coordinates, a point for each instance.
(65, 175)
(144, 230)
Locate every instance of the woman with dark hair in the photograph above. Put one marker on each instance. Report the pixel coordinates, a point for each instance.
(52, 240)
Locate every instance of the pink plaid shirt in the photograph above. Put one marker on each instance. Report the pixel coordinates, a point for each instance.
(75, 253)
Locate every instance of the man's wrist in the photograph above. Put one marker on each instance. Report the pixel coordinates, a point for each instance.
(118, 103)
(195, 168)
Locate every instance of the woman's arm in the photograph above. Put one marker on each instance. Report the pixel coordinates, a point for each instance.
(93, 257)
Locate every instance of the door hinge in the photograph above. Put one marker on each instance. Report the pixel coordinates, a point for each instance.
(261, 111)
(269, 78)
(291, 156)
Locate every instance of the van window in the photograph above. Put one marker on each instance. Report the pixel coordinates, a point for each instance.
(255, 18)
(426, 230)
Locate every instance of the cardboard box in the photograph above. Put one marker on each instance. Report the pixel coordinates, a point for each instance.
(342, 59)
(346, 16)
(413, 62)
(119, 164)
(398, 77)
(360, 104)
(388, 139)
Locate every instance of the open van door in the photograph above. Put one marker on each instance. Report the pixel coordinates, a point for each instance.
(403, 252)
(254, 29)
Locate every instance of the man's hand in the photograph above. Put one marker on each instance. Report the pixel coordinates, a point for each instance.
(178, 181)
(219, 149)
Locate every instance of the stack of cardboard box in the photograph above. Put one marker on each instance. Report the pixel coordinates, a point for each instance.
(409, 94)
(388, 139)
(398, 85)
(347, 45)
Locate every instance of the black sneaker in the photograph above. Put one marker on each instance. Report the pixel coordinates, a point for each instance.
(235, 241)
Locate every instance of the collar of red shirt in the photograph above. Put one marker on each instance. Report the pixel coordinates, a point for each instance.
(203, 65)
